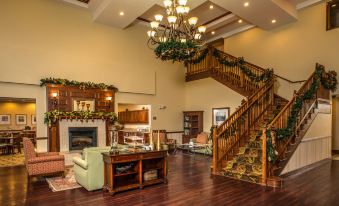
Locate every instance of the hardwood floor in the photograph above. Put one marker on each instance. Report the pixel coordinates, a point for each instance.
(190, 183)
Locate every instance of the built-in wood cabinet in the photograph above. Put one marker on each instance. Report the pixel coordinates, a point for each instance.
(193, 125)
(134, 117)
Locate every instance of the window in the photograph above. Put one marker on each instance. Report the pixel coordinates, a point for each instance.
(332, 14)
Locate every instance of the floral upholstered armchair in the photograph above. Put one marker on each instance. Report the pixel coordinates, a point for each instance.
(43, 163)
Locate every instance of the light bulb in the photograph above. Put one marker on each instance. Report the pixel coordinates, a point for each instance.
(202, 29)
(183, 40)
(180, 9)
(186, 9)
(172, 19)
(154, 24)
(158, 17)
(151, 33)
(197, 36)
(193, 21)
(167, 3)
(182, 2)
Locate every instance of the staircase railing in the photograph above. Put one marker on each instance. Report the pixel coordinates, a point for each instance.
(234, 132)
(212, 65)
(281, 121)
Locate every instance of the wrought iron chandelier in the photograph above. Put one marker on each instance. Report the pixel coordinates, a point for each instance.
(179, 39)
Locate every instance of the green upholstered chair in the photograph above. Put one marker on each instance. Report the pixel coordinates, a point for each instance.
(89, 170)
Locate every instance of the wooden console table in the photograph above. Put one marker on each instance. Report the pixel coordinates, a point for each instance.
(139, 161)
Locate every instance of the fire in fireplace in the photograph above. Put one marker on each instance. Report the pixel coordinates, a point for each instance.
(82, 137)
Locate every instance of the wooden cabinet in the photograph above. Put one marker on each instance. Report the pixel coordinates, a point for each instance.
(134, 117)
(137, 164)
(193, 125)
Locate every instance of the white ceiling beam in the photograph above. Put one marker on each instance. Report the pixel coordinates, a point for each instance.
(231, 33)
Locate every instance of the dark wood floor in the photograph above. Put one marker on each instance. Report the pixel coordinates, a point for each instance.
(190, 183)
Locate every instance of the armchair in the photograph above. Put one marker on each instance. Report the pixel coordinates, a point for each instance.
(89, 170)
(44, 163)
(167, 144)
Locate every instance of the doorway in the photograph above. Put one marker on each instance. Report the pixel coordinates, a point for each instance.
(17, 120)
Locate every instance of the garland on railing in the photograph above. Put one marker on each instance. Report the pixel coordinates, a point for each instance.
(53, 116)
(81, 85)
(266, 75)
(320, 76)
(198, 59)
(272, 154)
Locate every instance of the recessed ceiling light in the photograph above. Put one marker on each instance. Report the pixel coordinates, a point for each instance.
(240, 20)
(274, 21)
(121, 13)
(334, 5)
(246, 4)
(211, 6)
(213, 32)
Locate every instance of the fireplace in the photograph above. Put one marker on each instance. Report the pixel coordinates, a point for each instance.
(82, 137)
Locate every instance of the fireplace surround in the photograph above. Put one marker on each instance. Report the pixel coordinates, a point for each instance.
(82, 137)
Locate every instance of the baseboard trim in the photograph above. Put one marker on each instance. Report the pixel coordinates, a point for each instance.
(305, 168)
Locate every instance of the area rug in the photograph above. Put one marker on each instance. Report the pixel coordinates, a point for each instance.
(59, 183)
(12, 160)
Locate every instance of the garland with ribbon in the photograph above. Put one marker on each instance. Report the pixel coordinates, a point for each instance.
(54, 116)
(198, 59)
(175, 51)
(266, 75)
(81, 85)
(328, 80)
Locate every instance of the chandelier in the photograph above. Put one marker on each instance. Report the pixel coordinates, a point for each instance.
(178, 39)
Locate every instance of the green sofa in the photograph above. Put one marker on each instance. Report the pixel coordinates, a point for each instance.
(89, 170)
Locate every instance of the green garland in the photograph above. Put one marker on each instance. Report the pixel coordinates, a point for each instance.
(266, 75)
(271, 153)
(327, 80)
(53, 116)
(198, 59)
(176, 51)
(81, 85)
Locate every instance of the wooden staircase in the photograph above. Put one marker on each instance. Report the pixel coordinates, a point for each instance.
(241, 144)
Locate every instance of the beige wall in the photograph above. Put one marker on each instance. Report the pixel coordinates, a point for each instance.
(205, 94)
(46, 38)
(292, 50)
(14, 108)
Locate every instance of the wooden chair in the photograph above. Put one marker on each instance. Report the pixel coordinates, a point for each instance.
(170, 144)
(44, 163)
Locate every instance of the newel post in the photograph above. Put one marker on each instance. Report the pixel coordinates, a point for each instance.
(215, 151)
(264, 158)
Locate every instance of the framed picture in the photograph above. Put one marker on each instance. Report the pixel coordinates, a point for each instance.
(33, 119)
(21, 119)
(5, 119)
(219, 115)
(84, 105)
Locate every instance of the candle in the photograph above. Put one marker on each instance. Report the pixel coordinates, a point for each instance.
(158, 145)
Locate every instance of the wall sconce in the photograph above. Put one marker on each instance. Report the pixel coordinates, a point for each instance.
(109, 99)
(55, 99)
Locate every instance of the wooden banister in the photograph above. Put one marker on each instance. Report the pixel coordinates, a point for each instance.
(281, 121)
(211, 64)
(235, 130)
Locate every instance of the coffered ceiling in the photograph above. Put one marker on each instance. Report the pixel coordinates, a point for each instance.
(222, 18)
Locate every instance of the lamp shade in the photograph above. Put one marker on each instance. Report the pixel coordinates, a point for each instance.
(193, 21)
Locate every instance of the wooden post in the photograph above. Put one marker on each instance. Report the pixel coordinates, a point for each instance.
(264, 158)
(215, 152)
